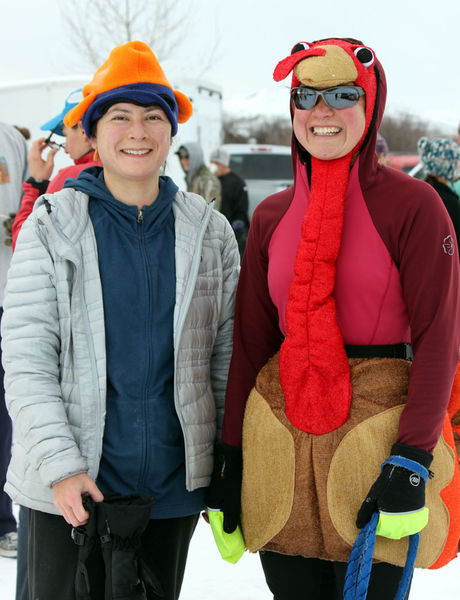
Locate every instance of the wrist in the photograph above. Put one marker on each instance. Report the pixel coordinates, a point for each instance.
(40, 184)
(412, 453)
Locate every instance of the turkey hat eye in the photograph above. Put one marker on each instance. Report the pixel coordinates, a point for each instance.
(365, 56)
(300, 46)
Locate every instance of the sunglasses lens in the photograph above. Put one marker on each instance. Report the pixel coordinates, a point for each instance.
(305, 98)
(342, 97)
(339, 97)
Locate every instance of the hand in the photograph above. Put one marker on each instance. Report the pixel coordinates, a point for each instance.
(224, 492)
(68, 497)
(39, 168)
(399, 493)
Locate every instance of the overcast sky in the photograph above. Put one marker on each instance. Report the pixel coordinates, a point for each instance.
(418, 43)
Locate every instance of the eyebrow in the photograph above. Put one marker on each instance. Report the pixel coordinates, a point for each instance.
(128, 110)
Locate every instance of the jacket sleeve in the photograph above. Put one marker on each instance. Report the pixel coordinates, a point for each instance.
(257, 336)
(31, 349)
(30, 195)
(429, 271)
(222, 349)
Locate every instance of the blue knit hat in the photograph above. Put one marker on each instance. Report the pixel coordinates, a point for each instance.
(439, 157)
(143, 94)
(55, 124)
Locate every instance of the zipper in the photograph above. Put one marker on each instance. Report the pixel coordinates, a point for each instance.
(145, 461)
(193, 272)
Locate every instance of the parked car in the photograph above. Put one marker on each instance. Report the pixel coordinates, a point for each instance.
(265, 168)
(403, 162)
(417, 171)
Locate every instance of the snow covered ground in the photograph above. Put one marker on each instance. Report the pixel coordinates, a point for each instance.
(208, 577)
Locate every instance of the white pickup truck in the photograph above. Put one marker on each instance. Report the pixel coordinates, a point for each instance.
(265, 168)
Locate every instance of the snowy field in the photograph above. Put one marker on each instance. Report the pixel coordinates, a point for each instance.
(208, 577)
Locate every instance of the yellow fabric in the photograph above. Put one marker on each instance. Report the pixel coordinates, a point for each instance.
(396, 526)
(268, 473)
(133, 62)
(335, 68)
(230, 545)
(354, 468)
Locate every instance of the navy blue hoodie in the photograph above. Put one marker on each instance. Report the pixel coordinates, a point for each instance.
(143, 447)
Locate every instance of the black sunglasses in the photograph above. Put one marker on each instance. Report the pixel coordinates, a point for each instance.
(341, 96)
(52, 143)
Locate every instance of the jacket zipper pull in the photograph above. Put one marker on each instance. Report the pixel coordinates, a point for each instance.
(140, 217)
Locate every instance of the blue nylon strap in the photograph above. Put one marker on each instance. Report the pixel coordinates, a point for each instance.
(360, 563)
(410, 465)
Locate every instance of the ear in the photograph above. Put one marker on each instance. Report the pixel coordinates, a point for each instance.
(81, 130)
(93, 143)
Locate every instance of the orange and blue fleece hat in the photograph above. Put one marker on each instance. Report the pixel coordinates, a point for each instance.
(132, 74)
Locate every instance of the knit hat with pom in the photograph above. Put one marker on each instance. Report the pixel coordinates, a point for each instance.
(132, 74)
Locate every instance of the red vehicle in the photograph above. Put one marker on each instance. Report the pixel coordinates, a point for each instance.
(403, 162)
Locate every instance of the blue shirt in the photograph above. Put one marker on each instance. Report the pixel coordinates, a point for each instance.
(143, 446)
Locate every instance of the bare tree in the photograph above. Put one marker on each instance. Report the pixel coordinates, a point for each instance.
(262, 129)
(96, 26)
(403, 131)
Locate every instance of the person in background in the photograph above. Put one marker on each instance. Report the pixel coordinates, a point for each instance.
(441, 162)
(382, 149)
(117, 341)
(77, 146)
(234, 196)
(345, 275)
(24, 131)
(13, 171)
(198, 177)
(455, 185)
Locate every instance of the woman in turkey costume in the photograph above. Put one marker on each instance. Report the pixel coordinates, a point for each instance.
(347, 276)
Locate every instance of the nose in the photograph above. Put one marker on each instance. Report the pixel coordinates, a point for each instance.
(321, 108)
(137, 129)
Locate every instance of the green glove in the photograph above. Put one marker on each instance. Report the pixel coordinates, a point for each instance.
(231, 545)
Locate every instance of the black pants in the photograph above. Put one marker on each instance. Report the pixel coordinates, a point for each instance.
(53, 556)
(298, 578)
(22, 581)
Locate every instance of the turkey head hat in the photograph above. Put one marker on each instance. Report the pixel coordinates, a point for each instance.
(132, 74)
(314, 370)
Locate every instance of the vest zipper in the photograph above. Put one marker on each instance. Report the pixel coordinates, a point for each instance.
(140, 217)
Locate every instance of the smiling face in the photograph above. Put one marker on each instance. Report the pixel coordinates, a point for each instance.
(328, 133)
(132, 142)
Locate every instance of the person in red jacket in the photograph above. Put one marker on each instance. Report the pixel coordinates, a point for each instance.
(77, 146)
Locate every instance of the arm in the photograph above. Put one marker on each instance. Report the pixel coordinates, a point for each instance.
(40, 172)
(30, 194)
(31, 355)
(240, 204)
(222, 349)
(257, 336)
(429, 269)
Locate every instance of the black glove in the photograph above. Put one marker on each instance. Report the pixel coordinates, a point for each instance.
(224, 492)
(121, 521)
(399, 491)
(89, 578)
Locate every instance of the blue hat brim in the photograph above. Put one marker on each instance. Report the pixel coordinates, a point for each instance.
(55, 124)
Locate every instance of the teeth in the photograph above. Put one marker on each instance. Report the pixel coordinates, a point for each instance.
(325, 130)
(136, 152)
